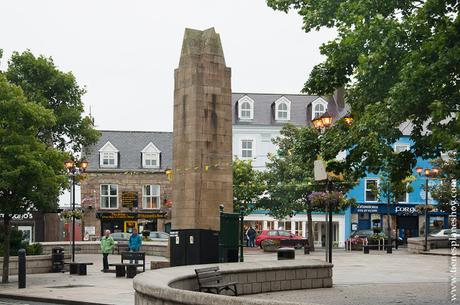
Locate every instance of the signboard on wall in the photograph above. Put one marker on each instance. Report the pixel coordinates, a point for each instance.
(129, 199)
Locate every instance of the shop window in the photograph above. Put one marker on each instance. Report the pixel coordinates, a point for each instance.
(371, 186)
(298, 228)
(109, 196)
(151, 197)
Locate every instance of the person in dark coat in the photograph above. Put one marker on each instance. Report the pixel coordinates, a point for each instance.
(252, 237)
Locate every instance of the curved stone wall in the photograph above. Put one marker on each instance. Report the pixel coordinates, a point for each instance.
(178, 285)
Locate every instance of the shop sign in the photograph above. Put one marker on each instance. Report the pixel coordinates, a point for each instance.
(134, 216)
(367, 209)
(406, 210)
(129, 199)
(25, 216)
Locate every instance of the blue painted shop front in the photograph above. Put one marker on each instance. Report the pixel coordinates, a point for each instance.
(405, 218)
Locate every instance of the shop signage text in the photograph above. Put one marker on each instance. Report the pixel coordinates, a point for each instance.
(121, 215)
(25, 216)
(129, 199)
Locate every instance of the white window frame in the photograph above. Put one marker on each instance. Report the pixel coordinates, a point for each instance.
(145, 196)
(253, 148)
(106, 150)
(153, 151)
(108, 196)
(318, 101)
(279, 102)
(365, 189)
(250, 101)
(406, 147)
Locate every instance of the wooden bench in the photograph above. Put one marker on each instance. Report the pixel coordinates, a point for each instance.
(210, 280)
(127, 268)
(78, 268)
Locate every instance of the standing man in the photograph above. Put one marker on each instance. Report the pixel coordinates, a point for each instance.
(107, 244)
(252, 236)
(135, 242)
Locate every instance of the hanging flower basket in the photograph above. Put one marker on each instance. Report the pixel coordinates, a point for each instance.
(324, 200)
(422, 208)
(68, 214)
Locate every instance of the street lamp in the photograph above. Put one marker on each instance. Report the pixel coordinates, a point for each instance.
(429, 174)
(74, 171)
(321, 123)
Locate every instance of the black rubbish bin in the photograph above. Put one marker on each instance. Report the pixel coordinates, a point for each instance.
(286, 253)
(57, 259)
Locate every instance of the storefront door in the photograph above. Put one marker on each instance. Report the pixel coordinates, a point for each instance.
(364, 222)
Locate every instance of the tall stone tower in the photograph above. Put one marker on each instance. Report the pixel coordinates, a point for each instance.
(202, 145)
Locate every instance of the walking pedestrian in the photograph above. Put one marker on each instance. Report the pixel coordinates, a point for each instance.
(107, 244)
(134, 243)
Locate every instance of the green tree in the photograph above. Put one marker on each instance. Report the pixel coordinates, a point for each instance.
(290, 178)
(248, 186)
(31, 172)
(445, 191)
(399, 62)
(43, 83)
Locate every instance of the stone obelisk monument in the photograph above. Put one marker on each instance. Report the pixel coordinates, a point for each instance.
(202, 145)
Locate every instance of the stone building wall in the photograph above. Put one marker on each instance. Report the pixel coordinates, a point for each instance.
(126, 181)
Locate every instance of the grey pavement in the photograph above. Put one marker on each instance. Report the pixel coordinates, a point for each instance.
(376, 278)
(379, 278)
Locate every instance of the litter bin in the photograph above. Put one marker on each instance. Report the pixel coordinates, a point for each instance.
(57, 259)
(286, 253)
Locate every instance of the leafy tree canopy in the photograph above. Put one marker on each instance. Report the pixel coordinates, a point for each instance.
(247, 186)
(44, 84)
(399, 62)
(31, 172)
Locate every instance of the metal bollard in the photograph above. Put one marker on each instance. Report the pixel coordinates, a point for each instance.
(21, 268)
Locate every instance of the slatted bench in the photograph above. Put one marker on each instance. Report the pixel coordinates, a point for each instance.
(78, 268)
(129, 269)
(210, 280)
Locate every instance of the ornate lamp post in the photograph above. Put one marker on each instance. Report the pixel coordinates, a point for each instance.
(74, 171)
(429, 174)
(321, 123)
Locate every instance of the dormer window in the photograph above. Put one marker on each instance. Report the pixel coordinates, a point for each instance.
(108, 156)
(151, 156)
(319, 107)
(246, 108)
(282, 109)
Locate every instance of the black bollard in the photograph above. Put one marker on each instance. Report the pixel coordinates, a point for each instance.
(22, 268)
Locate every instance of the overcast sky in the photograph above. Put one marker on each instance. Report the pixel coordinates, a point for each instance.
(125, 52)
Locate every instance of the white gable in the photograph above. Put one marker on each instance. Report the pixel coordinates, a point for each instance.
(108, 147)
(151, 148)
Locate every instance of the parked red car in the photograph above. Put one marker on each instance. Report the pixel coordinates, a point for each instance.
(277, 234)
(358, 238)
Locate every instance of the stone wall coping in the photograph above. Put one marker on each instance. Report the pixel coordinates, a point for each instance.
(157, 283)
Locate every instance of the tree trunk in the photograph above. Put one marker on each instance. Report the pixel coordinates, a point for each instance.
(6, 248)
(311, 239)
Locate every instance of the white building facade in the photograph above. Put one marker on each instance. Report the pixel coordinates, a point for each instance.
(257, 119)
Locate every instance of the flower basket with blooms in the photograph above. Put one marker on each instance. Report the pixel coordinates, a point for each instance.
(68, 214)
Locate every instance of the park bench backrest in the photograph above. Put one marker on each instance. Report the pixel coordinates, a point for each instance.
(209, 275)
(132, 256)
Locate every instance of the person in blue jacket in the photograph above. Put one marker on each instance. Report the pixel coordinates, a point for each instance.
(135, 242)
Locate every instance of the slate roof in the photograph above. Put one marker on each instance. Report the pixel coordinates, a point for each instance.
(264, 113)
(130, 145)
